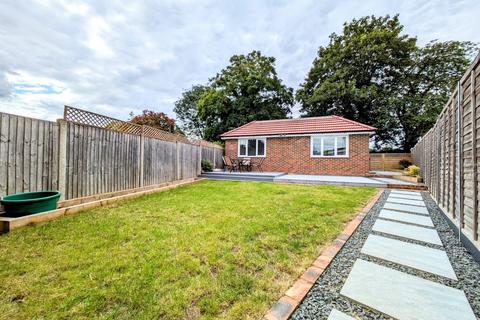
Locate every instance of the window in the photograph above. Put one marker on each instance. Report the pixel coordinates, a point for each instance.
(251, 147)
(329, 146)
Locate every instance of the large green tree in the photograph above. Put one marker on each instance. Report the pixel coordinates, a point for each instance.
(248, 89)
(375, 74)
(425, 87)
(186, 109)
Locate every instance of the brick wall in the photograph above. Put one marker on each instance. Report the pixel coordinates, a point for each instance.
(292, 155)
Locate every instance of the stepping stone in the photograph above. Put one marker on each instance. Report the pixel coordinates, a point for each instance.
(406, 208)
(411, 255)
(406, 217)
(403, 296)
(413, 195)
(418, 203)
(338, 315)
(407, 231)
(404, 196)
(406, 192)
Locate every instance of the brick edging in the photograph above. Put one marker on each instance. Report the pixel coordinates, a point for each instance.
(284, 307)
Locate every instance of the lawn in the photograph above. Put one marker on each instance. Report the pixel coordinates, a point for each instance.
(208, 250)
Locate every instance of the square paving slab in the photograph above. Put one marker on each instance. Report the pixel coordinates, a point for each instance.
(338, 315)
(406, 217)
(403, 296)
(406, 208)
(407, 231)
(406, 192)
(418, 203)
(409, 254)
(404, 196)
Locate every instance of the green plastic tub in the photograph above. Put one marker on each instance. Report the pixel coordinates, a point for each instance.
(22, 204)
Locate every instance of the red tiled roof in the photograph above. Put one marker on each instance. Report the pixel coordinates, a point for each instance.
(327, 124)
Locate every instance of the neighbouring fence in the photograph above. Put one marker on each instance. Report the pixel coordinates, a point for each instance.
(448, 155)
(86, 154)
(388, 161)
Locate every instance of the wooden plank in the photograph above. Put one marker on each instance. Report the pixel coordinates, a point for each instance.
(19, 154)
(11, 154)
(4, 143)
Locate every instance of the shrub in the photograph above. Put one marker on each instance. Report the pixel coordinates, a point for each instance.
(207, 166)
(413, 171)
(404, 163)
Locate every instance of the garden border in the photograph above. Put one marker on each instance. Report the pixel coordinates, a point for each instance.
(284, 307)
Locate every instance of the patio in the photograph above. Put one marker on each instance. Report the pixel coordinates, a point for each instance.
(283, 177)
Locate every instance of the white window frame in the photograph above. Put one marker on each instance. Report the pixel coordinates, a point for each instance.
(321, 137)
(264, 139)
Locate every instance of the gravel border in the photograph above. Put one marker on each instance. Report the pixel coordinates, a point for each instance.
(325, 294)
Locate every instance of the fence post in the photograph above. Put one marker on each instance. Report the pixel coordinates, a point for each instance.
(383, 161)
(62, 157)
(142, 156)
(199, 167)
(473, 103)
(460, 159)
(177, 161)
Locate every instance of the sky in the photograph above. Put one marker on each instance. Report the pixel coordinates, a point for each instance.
(116, 57)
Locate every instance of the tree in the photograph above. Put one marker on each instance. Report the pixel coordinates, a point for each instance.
(357, 72)
(186, 109)
(374, 74)
(157, 120)
(246, 90)
(426, 86)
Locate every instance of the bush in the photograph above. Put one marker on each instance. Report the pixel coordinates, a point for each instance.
(207, 166)
(413, 171)
(404, 163)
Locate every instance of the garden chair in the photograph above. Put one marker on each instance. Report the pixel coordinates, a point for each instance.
(257, 165)
(229, 164)
(246, 164)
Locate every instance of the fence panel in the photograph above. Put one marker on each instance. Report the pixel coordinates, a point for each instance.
(28, 154)
(388, 161)
(448, 155)
(99, 154)
(100, 160)
(213, 154)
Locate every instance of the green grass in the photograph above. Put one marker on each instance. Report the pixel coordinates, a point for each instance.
(208, 250)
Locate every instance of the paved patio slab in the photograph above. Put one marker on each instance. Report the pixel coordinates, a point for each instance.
(404, 197)
(406, 192)
(338, 315)
(332, 180)
(406, 217)
(403, 296)
(395, 181)
(408, 254)
(407, 231)
(418, 203)
(406, 208)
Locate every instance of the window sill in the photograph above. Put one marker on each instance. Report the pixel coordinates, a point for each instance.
(329, 157)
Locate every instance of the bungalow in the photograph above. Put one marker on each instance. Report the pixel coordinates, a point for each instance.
(318, 145)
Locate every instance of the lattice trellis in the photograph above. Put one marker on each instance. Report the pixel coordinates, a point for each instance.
(97, 120)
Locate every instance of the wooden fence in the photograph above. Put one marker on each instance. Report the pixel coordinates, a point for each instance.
(448, 155)
(81, 159)
(388, 161)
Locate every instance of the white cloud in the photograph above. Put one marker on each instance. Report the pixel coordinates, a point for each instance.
(114, 57)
